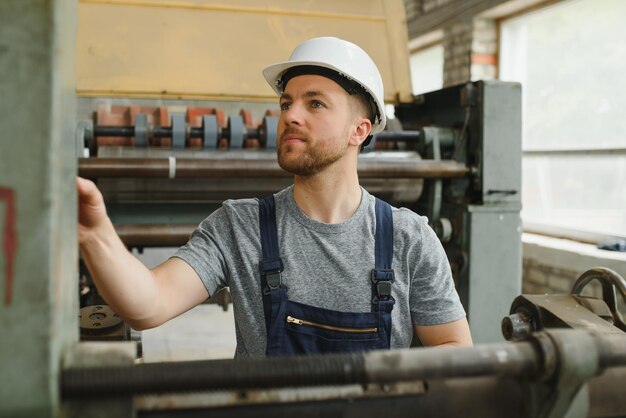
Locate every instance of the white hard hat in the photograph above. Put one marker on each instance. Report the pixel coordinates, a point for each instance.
(343, 57)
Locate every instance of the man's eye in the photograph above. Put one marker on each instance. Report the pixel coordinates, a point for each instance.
(317, 104)
(285, 106)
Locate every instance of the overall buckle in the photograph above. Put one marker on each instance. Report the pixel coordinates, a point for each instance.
(274, 279)
(271, 269)
(382, 280)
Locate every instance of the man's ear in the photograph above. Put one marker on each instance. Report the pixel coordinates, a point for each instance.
(361, 131)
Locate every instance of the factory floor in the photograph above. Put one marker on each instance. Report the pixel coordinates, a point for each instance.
(205, 332)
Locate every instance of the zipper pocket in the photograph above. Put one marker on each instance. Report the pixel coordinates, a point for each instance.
(296, 321)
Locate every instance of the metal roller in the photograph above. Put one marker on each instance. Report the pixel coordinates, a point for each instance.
(210, 131)
(252, 167)
(178, 130)
(236, 132)
(141, 130)
(269, 132)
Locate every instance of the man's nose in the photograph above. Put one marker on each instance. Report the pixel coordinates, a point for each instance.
(293, 115)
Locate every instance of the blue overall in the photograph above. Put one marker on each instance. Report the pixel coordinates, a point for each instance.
(296, 328)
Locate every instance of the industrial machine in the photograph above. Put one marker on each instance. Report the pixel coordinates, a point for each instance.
(568, 360)
(454, 157)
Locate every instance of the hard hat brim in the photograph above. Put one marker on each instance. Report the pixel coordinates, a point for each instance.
(274, 72)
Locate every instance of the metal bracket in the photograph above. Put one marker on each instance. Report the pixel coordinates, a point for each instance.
(609, 280)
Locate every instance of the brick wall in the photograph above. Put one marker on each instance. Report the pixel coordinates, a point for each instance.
(484, 50)
(540, 278)
(457, 52)
(552, 265)
(469, 42)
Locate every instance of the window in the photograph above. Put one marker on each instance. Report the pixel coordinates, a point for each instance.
(427, 69)
(571, 61)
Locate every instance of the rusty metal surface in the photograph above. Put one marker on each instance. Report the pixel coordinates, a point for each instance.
(548, 311)
(282, 396)
(485, 397)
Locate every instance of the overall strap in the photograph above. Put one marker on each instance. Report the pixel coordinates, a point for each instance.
(382, 275)
(271, 264)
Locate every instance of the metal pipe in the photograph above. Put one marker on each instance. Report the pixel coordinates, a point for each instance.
(166, 132)
(483, 397)
(436, 363)
(242, 168)
(612, 350)
(155, 235)
(400, 136)
(124, 131)
(520, 359)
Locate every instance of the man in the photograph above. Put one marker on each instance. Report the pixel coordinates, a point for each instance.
(321, 266)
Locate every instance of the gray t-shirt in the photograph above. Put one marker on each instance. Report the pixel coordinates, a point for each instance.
(326, 265)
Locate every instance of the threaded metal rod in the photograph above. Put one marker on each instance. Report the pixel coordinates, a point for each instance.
(521, 360)
(214, 375)
(508, 359)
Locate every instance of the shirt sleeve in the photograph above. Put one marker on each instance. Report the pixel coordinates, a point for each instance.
(204, 251)
(433, 297)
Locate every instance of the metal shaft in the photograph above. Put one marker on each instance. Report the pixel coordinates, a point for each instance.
(242, 168)
(166, 132)
(518, 359)
(155, 235)
(484, 397)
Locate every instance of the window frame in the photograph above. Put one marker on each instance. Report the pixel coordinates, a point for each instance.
(422, 43)
(546, 228)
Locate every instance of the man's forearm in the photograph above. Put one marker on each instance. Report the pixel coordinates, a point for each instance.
(125, 283)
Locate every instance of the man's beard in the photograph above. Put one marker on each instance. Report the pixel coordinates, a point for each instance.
(311, 159)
